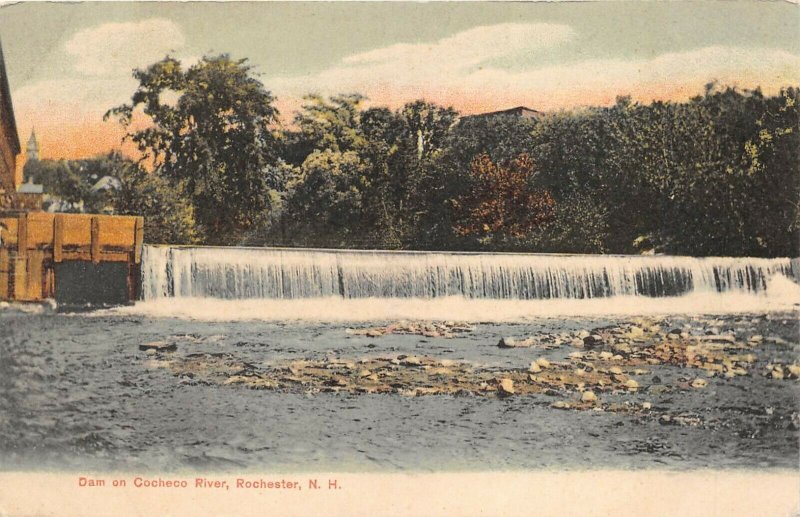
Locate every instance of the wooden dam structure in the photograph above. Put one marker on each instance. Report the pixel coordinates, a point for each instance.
(72, 258)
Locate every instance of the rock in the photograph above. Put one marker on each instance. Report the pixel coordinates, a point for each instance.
(505, 387)
(699, 383)
(717, 338)
(560, 405)
(510, 342)
(535, 368)
(632, 385)
(150, 351)
(411, 361)
(615, 370)
(592, 341)
(794, 371)
(159, 346)
(543, 363)
(374, 333)
(635, 331)
(576, 355)
(583, 334)
(777, 373)
(757, 338)
(622, 348)
(647, 405)
(675, 332)
(588, 396)
(605, 356)
(507, 342)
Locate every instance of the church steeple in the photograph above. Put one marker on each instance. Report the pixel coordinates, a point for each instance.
(32, 151)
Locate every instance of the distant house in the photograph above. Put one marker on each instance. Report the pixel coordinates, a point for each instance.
(518, 112)
(29, 187)
(107, 183)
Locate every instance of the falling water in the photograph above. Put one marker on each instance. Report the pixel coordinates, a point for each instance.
(250, 273)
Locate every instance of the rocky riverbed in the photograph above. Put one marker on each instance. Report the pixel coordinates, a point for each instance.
(141, 393)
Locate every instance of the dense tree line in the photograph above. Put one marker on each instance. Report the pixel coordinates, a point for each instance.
(715, 175)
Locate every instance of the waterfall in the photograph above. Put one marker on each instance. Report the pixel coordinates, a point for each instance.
(265, 273)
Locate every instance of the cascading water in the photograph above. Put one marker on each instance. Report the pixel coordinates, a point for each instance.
(250, 273)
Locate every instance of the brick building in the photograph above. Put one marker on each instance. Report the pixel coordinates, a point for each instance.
(10, 147)
(9, 139)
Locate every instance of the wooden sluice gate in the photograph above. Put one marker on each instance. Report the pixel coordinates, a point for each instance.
(76, 259)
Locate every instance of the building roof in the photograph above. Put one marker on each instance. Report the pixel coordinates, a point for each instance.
(6, 108)
(107, 183)
(518, 111)
(30, 188)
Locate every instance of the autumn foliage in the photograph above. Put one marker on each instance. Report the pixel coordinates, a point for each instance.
(502, 201)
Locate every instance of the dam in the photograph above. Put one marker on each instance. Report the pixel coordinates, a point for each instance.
(291, 274)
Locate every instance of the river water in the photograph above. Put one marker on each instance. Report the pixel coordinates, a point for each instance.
(78, 393)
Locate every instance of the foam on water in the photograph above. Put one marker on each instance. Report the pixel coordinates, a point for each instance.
(247, 273)
(240, 284)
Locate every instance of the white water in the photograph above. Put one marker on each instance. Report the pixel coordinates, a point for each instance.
(246, 273)
(325, 285)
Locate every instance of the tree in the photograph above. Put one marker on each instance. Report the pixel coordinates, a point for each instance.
(503, 205)
(73, 181)
(168, 217)
(211, 134)
(359, 171)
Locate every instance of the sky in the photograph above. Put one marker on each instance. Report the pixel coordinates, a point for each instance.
(70, 62)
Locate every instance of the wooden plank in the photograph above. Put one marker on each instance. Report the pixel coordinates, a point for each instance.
(77, 230)
(5, 274)
(34, 279)
(138, 240)
(40, 229)
(95, 250)
(49, 281)
(116, 256)
(22, 235)
(20, 274)
(10, 233)
(117, 231)
(58, 237)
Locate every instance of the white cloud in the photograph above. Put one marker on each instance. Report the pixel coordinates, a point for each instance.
(117, 48)
(467, 48)
(464, 70)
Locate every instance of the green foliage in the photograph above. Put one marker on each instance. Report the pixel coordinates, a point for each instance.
(168, 217)
(359, 173)
(72, 181)
(715, 175)
(211, 134)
